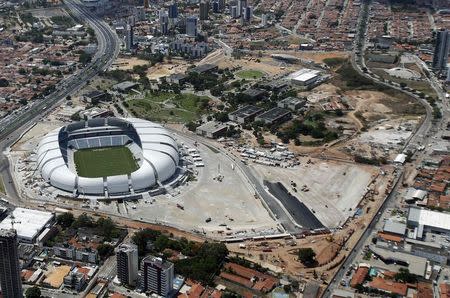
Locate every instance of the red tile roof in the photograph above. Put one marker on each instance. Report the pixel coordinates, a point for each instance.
(389, 286)
(359, 276)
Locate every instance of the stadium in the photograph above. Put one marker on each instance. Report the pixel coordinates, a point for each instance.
(108, 157)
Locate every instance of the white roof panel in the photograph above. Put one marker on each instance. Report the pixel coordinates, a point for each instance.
(27, 222)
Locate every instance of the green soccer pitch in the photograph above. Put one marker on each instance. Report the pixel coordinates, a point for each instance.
(106, 161)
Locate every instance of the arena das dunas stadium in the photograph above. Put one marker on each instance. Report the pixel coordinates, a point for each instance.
(108, 156)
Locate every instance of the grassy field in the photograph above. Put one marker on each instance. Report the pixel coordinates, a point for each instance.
(102, 162)
(169, 107)
(250, 74)
(2, 186)
(421, 86)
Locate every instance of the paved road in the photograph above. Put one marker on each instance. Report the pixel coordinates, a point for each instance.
(299, 211)
(12, 127)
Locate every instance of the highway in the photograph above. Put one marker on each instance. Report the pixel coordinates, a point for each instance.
(13, 126)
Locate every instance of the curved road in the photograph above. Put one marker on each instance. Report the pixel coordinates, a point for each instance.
(13, 127)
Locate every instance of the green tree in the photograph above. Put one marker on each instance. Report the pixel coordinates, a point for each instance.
(4, 82)
(65, 220)
(307, 256)
(403, 275)
(83, 220)
(141, 238)
(33, 292)
(105, 250)
(107, 227)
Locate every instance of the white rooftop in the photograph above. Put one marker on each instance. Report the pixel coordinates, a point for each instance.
(304, 74)
(27, 222)
(305, 77)
(430, 218)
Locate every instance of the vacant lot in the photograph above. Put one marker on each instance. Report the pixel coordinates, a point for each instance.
(422, 86)
(168, 107)
(333, 189)
(55, 277)
(104, 162)
(250, 74)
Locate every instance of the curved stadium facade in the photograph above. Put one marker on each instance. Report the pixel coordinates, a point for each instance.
(108, 156)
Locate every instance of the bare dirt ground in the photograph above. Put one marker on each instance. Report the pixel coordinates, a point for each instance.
(154, 72)
(330, 249)
(264, 64)
(128, 63)
(167, 68)
(332, 205)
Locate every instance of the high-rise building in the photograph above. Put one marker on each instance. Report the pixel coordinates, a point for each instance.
(157, 275)
(204, 10)
(191, 26)
(173, 11)
(233, 11)
(215, 7)
(127, 264)
(241, 5)
(441, 50)
(10, 281)
(221, 5)
(164, 24)
(447, 80)
(239, 9)
(129, 42)
(264, 20)
(248, 15)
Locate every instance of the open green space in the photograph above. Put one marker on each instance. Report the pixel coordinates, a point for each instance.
(169, 107)
(421, 86)
(250, 74)
(102, 162)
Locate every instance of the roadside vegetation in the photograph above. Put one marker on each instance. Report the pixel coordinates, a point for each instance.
(63, 21)
(68, 225)
(203, 261)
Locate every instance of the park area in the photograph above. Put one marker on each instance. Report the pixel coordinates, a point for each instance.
(168, 107)
(103, 162)
(250, 74)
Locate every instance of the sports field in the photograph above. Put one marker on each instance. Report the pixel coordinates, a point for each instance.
(102, 162)
(250, 74)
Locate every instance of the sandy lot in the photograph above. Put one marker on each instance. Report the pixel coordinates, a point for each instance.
(128, 63)
(266, 64)
(56, 276)
(335, 189)
(164, 69)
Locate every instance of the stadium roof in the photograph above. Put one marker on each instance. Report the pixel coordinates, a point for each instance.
(27, 222)
(152, 146)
